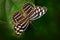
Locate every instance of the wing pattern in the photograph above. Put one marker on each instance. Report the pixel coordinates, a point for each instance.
(38, 12)
(30, 12)
(20, 23)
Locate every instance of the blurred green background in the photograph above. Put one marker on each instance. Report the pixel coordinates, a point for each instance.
(45, 28)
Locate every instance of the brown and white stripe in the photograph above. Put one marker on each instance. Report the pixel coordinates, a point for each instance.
(21, 23)
(20, 28)
(38, 12)
(28, 8)
(18, 17)
(32, 13)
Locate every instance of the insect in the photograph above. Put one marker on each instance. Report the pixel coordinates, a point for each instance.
(30, 13)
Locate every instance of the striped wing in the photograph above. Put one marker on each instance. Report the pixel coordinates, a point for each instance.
(18, 17)
(21, 27)
(38, 12)
(28, 9)
(32, 12)
(20, 23)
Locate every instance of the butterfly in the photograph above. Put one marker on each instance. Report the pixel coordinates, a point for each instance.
(30, 13)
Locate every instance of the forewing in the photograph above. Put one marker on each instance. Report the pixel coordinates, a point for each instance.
(38, 12)
(18, 17)
(28, 9)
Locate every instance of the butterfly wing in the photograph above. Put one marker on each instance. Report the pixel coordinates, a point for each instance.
(21, 27)
(34, 12)
(18, 17)
(38, 12)
(28, 9)
(20, 23)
